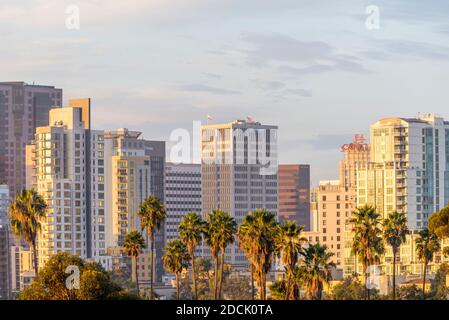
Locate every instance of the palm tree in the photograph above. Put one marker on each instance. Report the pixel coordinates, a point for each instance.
(426, 245)
(25, 213)
(367, 242)
(152, 214)
(257, 232)
(245, 244)
(220, 228)
(175, 259)
(133, 245)
(316, 269)
(226, 231)
(288, 243)
(212, 241)
(394, 232)
(191, 229)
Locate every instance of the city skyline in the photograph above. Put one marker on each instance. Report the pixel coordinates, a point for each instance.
(317, 64)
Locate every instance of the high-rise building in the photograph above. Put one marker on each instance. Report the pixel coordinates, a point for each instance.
(334, 205)
(182, 195)
(5, 272)
(335, 200)
(294, 194)
(128, 183)
(68, 162)
(355, 156)
(23, 108)
(156, 151)
(134, 170)
(239, 166)
(410, 168)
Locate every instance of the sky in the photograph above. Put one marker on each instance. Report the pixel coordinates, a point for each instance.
(311, 67)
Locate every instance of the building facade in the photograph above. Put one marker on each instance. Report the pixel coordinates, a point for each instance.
(23, 108)
(134, 171)
(182, 195)
(239, 167)
(335, 200)
(294, 194)
(334, 205)
(67, 169)
(5, 261)
(414, 155)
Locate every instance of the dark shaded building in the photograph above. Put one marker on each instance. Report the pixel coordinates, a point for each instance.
(5, 274)
(156, 151)
(23, 107)
(294, 193)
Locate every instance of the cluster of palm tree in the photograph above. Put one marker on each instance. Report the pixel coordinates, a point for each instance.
(152, 215)
(371, 234)
(261, 239)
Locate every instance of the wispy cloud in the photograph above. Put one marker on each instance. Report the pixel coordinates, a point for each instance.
(303, 57)
(207, 89)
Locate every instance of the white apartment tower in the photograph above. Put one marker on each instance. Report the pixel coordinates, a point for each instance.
(65, 164)
(239, 167)
(409, 169)
(182, 195)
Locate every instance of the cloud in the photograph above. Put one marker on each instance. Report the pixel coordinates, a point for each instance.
(303, 57)
(207, 89)
(212, 75)
(328, 141)
(398, 49)
(279, 90)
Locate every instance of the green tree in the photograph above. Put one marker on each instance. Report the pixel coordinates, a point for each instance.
(25, 213)
(175, 259)
(316, 269)
(409, 292)
(152, 215)
(246, 245)
(367, 242)
(289, 243)
(134, 244)
(257, 234)
(439, 289)
(191, 229)
(236, 287)
(394, 232)
(278, 290)
(439, 223)
(349, 289)
(226, 232)
(426, 245)
(94, 281)
(219, 232)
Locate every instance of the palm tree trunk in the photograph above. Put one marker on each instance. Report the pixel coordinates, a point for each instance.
(264, 285)
(220, 286)
(177, 285)
(136, 274)
(252, 281)
(152, 267)
(194, 275)
(216, 278)
(287, 287)
(36, 267)
(394, 274)
(366, 281)
(424, 281)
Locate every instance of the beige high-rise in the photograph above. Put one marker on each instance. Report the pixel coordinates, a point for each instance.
(239, 172)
